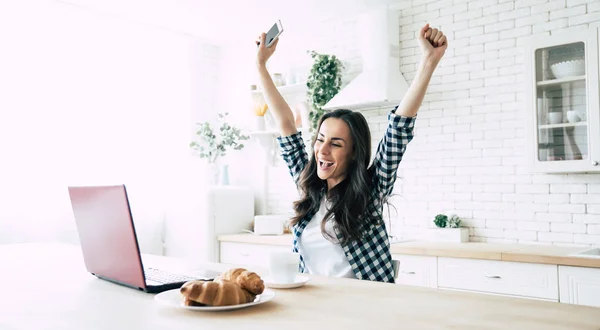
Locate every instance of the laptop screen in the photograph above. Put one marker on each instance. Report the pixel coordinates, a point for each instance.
(106, 233)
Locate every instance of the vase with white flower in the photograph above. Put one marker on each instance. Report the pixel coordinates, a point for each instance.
(212, 146)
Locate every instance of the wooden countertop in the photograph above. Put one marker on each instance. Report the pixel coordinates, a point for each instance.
(70, 298)
(559, 255)
(542, 254)
(489, 251)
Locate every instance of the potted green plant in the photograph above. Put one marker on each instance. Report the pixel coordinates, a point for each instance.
(447, 229)
(441, 220)
(324, 82)
(211, 145)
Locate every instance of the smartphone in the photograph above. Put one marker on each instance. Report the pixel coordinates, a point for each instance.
(274, 33)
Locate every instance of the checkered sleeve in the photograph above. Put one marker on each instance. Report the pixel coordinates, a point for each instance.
(294, 153)
(390, 151)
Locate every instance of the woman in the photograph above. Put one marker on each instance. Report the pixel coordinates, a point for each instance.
(338, 227)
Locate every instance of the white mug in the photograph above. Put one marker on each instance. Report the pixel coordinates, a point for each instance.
(283, 266)
(573, 116)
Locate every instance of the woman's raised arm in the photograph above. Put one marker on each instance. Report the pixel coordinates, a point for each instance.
(433, 45)
(281, 111)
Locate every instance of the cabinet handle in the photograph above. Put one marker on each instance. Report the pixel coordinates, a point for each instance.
(595, 163)
(493, 276)
(244, 254)
(408, 273)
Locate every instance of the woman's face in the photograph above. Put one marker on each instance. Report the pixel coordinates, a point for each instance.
(333, 151)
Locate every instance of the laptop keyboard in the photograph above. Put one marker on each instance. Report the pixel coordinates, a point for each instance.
(164, 277)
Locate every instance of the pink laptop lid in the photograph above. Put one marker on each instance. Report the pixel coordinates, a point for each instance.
(106, 233)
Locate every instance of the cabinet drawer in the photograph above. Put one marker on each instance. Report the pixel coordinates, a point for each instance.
(500, 277)
(579, 285)
(248, 254)
(416, 270)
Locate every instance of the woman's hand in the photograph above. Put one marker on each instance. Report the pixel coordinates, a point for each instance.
(433, 43)
(264, 53)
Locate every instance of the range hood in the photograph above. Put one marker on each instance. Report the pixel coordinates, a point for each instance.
(380, 83)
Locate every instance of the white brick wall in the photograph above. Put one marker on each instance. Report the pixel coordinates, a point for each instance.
(469, 150)
(204, 68)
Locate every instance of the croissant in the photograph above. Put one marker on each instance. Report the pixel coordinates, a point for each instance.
(189, 302)
(221, 293)
(248, 280)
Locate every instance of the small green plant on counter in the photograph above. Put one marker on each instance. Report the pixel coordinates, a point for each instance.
(444, 221)
(454, 221)
(441, 220)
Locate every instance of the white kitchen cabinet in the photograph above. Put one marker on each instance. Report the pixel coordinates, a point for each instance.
(562, 102)
(197, 217)
(245, 254)
(416, 270)
(499, 277)
(579, 285)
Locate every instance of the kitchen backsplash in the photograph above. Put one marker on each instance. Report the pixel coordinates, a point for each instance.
(468, 153)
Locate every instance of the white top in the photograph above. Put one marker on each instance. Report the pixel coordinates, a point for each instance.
(321, 256)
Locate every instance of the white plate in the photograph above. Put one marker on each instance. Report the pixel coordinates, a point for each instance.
(298, 282)
(175, 299)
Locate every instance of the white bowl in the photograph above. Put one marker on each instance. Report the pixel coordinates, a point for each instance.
(568, 68)
(555, 118)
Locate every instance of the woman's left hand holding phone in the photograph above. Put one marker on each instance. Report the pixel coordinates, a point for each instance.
(277, 105)
(264, 52)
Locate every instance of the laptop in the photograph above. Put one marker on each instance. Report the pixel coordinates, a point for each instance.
(109, 242)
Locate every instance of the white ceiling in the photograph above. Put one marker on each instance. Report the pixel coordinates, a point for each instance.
(228, 22)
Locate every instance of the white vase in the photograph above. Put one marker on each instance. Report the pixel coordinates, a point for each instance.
(218, 174)
(259, 124)
(224, 175)
(455, 235)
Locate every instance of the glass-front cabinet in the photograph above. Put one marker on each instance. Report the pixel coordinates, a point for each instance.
(563, 93)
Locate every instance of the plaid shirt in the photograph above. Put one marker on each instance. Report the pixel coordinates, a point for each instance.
(370, 258)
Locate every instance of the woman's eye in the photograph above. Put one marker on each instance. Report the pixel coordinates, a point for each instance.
(336, 145)
(320, 140)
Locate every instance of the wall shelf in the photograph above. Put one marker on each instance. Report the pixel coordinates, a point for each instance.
(275, 133)
(286, 90)
(553, 82)
(581, 123)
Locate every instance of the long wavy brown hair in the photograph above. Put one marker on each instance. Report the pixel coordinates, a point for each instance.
(349, 198)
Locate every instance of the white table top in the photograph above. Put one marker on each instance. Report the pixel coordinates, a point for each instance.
(47, 287)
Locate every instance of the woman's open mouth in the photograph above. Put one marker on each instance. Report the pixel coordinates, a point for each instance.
(325, 165)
